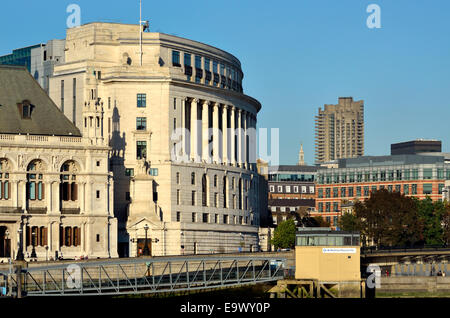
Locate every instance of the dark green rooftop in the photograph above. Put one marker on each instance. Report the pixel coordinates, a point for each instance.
(16, 86)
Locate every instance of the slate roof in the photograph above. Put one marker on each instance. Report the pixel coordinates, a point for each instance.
(16, 86)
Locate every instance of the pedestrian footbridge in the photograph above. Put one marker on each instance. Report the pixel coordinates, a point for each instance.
(140, 275)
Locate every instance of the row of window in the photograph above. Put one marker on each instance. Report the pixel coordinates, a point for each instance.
(208, 71)
(238, 202)
(291, 189)
(364, 191)
(387, 175)
(38, 236)
(291, 177)
(215, 218)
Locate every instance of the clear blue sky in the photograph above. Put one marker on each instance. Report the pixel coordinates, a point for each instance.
(296, 56)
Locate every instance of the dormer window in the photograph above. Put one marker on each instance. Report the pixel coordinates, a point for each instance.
(25, 109)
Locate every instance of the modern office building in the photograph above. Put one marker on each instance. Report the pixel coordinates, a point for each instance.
(179, 126)
(355, 178)
(416, 146)
(340, 130)
(56, 193)
(39, 59)
(292, 182)
(19, 57)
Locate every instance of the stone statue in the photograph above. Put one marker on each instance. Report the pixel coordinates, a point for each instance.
(142, 167)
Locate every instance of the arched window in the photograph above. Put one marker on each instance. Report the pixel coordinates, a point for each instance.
(5, 186)
(35, 184)
(204, 190)
(69, 187)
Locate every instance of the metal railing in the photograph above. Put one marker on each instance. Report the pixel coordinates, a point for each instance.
(139, 276)
(403, 249)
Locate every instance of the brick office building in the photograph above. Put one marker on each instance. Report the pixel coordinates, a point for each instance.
(355, 178)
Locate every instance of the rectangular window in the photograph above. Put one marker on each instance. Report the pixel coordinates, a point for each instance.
(328, 206)
(178, 197)
(187, 59)
(427, 173)
(343, 192)
(129, 172)
(193, 198)
(205, 218)
(178, 216)
(320, 193)
(141, 100)
(415, 174)
(440, 188)
(335, 192)
(176, 58)
(141, 123)
(440, 173)
(98, 194)
(335, 207)
(141, 149)
(225, 219)
(194, 217)
(320, 207)
(154, 171)
(406, 189)
(427, 188)
(350, 191)
(366, 191)
(397, 188)
(358, 191)
(414, 189)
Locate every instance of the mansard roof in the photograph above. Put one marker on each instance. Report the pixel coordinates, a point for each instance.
(18, 88)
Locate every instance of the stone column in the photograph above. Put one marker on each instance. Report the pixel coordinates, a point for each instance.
(239, 138)
(183, 127)
(244, 141)
(194, 132)
(216, 152)
(205, 131)
(225, 156)
(232, 136)
(82, 191)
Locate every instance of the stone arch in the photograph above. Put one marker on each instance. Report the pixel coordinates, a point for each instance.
(79, 165)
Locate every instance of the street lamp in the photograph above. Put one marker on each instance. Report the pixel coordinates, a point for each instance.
(146, 251)
(19, 256)
(33, 251)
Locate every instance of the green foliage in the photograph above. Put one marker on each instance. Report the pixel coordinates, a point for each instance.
(349, 222)
(284, 235)
(321, 222)
(390, 218)
(431, 214)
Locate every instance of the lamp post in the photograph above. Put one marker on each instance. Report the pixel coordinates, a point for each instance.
(146, 251)
(19, 256)
(33, 251)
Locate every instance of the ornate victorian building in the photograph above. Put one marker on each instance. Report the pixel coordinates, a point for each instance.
(56, 194)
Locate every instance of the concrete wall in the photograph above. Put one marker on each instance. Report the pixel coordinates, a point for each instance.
(415, 284)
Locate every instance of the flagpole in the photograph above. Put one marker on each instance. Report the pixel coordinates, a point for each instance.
(140, 29)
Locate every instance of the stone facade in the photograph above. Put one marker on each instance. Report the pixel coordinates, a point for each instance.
(56, 192)
(167, 117)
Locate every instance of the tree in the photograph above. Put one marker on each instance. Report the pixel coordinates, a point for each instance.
(321, 222)
(432, 214)
(389, 218)
(349, 222)
(284, 235)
